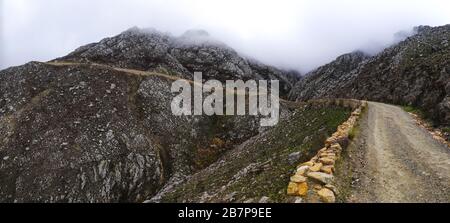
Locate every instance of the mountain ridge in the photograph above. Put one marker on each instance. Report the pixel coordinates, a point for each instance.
(193, 51)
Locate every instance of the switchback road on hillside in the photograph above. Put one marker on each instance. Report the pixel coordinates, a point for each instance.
(399, 161)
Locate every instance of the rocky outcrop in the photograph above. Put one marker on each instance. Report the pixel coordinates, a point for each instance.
(74, 135)
(413, 72)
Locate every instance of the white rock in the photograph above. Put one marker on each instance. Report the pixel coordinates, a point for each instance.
(250, 200)
(264, 199)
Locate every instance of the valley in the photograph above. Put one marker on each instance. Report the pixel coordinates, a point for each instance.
(96, 125)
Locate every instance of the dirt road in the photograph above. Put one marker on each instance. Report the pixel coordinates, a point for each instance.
(398, 161)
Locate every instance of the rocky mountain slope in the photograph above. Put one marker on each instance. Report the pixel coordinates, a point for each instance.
(316, 84)
(195, 50)
(96, 125)
(413, 72)
(258, 169)
(80, 132)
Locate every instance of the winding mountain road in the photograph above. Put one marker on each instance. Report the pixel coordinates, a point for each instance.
(399, 161)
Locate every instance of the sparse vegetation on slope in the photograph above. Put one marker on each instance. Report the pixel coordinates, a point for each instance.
(261, 166)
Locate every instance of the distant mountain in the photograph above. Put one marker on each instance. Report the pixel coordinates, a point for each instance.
(414, 72)
(317, 83)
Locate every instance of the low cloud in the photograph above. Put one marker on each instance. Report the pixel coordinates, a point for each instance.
(291, 34)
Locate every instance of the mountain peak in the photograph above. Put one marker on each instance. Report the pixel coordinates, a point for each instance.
(195, 33)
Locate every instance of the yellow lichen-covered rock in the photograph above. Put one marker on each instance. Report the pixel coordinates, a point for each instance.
(327, 195)
(309, 163)
(292, 188)
(325, 154)
(314, 159)
(330, 141)
(332, 156)
(302, 170)
(332, 188)
(327, 161)
(297, 178)
(336, 147)
(302, 189)
(327, 169)
(324, 162)
(344, 132)
(316, 167)
(297, 189)
(317, 187)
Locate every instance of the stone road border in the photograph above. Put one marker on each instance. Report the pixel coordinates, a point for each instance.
(313, 180)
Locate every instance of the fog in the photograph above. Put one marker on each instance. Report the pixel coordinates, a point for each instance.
(286, 33)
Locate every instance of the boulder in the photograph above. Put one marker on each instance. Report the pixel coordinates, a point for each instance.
(302, 170)
(331, 187)
(292, 188)
(322, 177)
(297, 178)
(309, 163)
(316, 167)
(327, 161)
(327, 169)
(327, 195)
(302, 189)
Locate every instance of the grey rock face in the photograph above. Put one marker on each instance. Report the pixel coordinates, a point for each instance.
(414, 72)
(71, 140)
(194, 51)
(70, 137)
(321, 82)
(84, 133)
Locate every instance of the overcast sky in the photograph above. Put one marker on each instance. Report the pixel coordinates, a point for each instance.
(287, 33)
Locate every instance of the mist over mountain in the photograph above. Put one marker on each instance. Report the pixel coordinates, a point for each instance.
(290, 34)
(413, 72)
